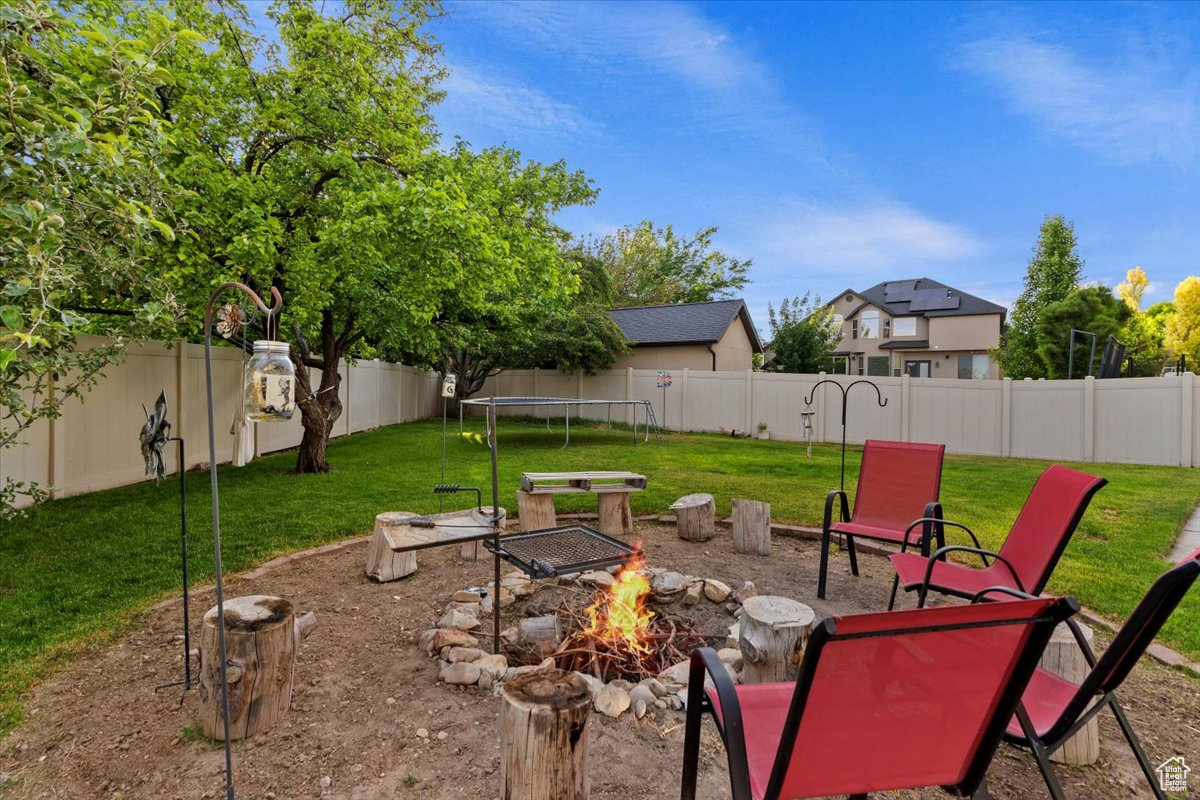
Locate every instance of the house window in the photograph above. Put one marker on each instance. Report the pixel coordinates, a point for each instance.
(904, 326)
(854, 329)
(887, 328)
(869, 325)
(860, 360)
(879, 366)
(836, 321)
(973, 367)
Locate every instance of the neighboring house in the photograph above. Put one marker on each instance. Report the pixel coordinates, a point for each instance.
(703, 336)
(918, 327)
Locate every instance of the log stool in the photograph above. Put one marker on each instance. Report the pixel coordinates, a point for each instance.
(536, 511)
(772, 636)
(544, 737)
(616, 518)
(695, 517)
(1062, 657)
(751, 527)
(262, 635)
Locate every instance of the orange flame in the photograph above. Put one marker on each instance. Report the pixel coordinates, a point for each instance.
(619, 613)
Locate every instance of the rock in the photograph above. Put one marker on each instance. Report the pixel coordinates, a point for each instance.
(655, 686)
(597, 579)
(676, 673)
(674, 702)
(733, 608)
(326, 781)
(495, 665)
(746, 590)
(391, 701)
(668, 586)
(485, 680)
(513, 672)
(735, 630)
(426, 642)
(639, 708)
(451, 638)
(519, 585)
(442, 736)
(594, 684)
(681, 695)
(621, 683)
(716, 591)
(466, 596)
(642, 694)
(731, 656)
(509, 635)
(471, 609)
(612, 701)
(458, 620)
(456, 654)
(693, 593)
(660, 703)
(464, 673)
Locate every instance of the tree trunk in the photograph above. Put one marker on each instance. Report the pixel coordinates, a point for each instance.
(751, 527)
(319, 411)
(544, 737)
(773, 633)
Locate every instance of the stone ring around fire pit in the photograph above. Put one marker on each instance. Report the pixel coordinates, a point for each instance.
(630, 644)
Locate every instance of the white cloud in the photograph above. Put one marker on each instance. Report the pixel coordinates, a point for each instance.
(890, 240)
(1133, 108)
(475, 100)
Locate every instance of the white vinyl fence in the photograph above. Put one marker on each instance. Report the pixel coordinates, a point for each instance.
(1131, 420)
(94, 444)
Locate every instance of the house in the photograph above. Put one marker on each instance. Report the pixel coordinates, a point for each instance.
(917, 327)
(702, 336)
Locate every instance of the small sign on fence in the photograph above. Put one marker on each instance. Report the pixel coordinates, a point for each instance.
(663, 380)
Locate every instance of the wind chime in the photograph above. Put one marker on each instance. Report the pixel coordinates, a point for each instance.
(807, 416)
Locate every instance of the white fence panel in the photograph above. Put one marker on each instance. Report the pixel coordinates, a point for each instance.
(362, 412)
(1138, 420)
(963, 415)
(1047, 419)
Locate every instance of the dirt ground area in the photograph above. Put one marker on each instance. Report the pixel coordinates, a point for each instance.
(364, 688)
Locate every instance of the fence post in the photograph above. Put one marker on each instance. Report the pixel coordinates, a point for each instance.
(683, 402)
(819, 422)
(1089, 418)
(630, 411)
(1006, 417)
(905, 388)
(748, 399)
(1187, 383)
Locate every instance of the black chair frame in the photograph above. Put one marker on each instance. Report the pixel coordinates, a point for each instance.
(704, 662)
(1098, 690)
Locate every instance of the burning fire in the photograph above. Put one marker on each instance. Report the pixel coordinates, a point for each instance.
(619, 613)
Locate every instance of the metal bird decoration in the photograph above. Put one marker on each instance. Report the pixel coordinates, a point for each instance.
(154, 435)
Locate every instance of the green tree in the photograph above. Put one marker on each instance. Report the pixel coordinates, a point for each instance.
(1133, 287)
(81, 205)
(1093, 309)
(1054, 271)
(803, 333)
(1183, 327)
(1144, 331)
(653, 266)
(312, 167)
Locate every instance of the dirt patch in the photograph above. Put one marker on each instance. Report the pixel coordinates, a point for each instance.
(365, 692)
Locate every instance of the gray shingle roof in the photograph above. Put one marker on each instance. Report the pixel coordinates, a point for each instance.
(928, 298)
(684, 323)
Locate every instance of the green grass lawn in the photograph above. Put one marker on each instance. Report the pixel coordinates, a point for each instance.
(74, 572)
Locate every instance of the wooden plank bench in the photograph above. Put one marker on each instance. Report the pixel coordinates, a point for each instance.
(535, 500)
(391, 554)
(595, 482)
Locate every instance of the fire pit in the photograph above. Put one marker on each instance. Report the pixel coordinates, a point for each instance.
(629, 634)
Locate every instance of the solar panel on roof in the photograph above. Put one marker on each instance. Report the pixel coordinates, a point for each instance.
(899, 291)
(933, 300)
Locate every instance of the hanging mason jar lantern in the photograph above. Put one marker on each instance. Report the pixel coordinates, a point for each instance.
(270, 383)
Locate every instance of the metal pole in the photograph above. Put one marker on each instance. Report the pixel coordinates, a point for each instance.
(1092, 354)
(1071, 355)
(183, 535)
(216, 505)
(491, 419)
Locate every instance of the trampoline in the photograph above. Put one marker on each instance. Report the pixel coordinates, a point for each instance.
(650, 423)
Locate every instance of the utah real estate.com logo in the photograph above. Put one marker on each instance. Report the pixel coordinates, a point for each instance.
(1172, 774)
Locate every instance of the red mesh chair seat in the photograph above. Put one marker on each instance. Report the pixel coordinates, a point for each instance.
(966, 581)
(883, 701)
(898, 482)
(1044, 700)
(877, 533)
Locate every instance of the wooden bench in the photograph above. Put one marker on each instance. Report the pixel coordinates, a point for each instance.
(392, 555)
(535, 499)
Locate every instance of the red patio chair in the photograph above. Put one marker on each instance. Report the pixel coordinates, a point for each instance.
(1035, 543)
(1052, 710)
(898, 482)
(888, 700)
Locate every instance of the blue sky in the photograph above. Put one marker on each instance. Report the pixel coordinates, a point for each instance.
(838, 145)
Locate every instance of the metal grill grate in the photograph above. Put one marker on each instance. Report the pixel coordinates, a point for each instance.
(556, 551)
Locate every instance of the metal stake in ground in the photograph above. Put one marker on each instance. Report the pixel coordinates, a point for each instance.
(845, 390)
